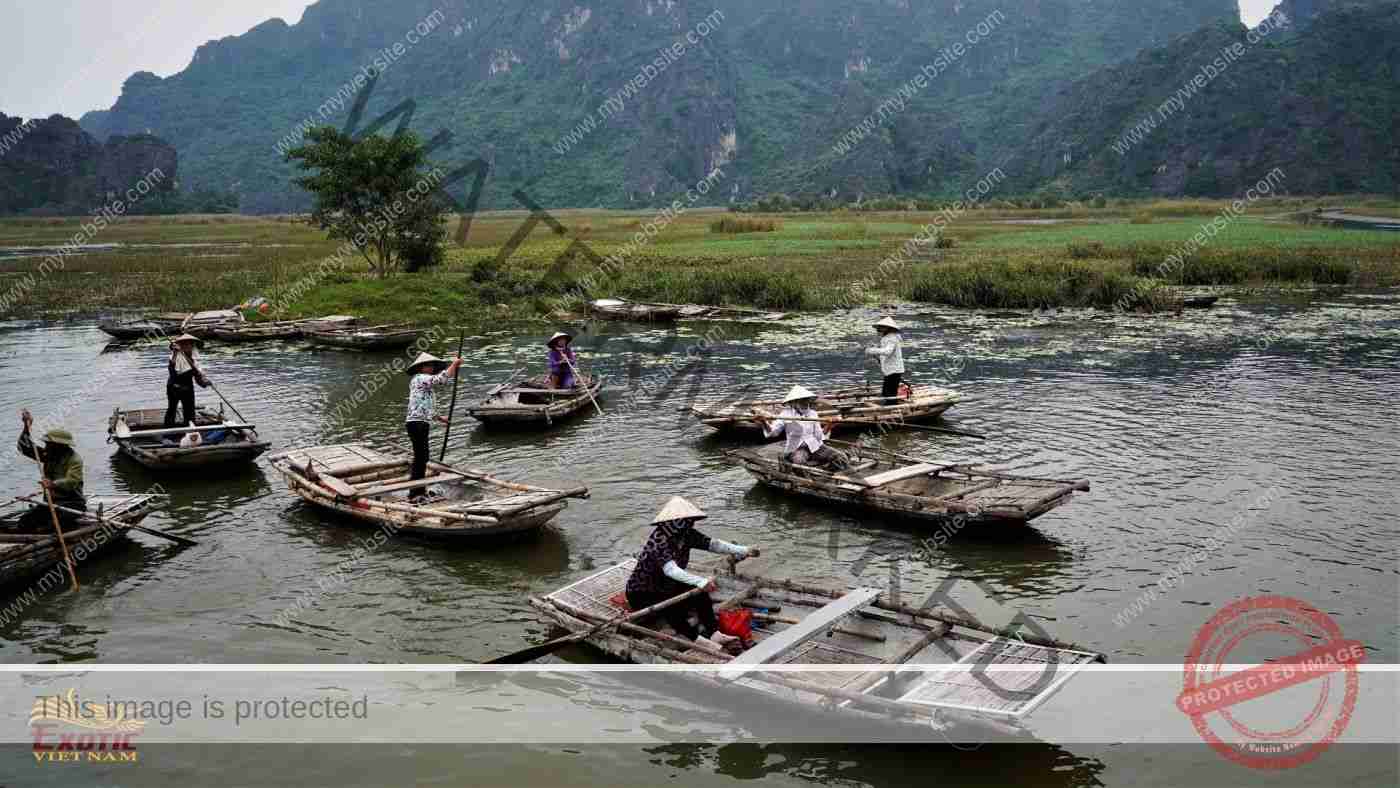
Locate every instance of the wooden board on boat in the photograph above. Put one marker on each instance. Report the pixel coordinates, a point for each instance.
(372, 487)
(929, 491)
(141, 434)
(24, 561)
(280, 329)
(924, 403)
(533, 403)
(835, 627)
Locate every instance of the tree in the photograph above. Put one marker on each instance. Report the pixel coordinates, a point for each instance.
(378, 193)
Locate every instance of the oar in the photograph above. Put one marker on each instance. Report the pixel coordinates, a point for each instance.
(585, 384)
(535, 652)
(226, 402)
(142, 528)
(53, 513)
(900, 424)
(456, 376)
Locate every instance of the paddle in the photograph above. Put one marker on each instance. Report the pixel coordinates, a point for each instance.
(118, 524)
(535, 652)
(457, 376)
(900, 424)
(53, 510)
(579, 376)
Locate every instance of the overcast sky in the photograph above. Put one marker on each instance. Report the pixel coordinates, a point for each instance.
(71, 56)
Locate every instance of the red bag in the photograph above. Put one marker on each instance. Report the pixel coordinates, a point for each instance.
(905, 391)
(738, 623)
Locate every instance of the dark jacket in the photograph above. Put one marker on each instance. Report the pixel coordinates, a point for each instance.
(63, 467)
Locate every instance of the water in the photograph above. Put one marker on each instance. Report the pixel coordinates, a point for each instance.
(1271, 427)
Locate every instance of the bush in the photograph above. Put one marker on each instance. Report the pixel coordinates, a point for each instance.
(1087, 250)
(1036, 285)
(740, 224)
(1141, 217)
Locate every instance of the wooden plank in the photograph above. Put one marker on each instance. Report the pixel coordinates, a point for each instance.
(812, 625)
(180, 430)
(385, 489)
(900, 474)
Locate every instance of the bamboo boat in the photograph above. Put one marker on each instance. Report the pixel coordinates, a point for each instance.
(855, 629)
(912, 488)
(533, 403)
(141, 435)
(1199, 302)
(371, 487)
(279, 330)
(924, 403)
(202, 324)
(24, 557)
(385, 337)
(618, 309)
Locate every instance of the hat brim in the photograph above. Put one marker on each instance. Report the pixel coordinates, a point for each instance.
(437, 366)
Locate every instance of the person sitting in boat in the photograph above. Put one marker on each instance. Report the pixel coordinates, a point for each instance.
(425, 373)
(63, 476)
(805, 430)
(562, 361)
(661, 573)
(184, 373)
(891, 359)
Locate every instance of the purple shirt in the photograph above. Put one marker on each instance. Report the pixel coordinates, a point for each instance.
(561, 371)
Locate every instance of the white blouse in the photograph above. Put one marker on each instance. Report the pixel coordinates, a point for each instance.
(799, 433)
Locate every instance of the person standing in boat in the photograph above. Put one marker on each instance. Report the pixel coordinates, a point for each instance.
(891, 357)
(661, 573)
(184, 372)
(562, 361)
(426, 373)
(63, 476)
(806, 439)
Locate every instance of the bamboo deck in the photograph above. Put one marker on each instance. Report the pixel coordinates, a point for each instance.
(25, 557)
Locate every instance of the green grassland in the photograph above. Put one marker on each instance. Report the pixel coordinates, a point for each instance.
(1000, 256)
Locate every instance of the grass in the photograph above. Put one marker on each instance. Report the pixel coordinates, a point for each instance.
(1083, 257)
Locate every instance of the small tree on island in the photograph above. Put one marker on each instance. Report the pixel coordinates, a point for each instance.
(378, 193)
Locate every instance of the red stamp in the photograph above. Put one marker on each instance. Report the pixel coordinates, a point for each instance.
(1312, 679)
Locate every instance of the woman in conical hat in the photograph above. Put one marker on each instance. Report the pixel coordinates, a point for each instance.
(661, 572)
(425, 373)
(183, 372)
(806, 436)
(562, 360)
(891, 357)
(62, 477)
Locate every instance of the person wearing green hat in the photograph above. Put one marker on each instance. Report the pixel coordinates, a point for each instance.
(63, 475)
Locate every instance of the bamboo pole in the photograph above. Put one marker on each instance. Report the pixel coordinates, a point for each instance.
(451, 409)
(586, 384)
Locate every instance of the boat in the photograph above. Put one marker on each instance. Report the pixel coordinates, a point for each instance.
(201, 324)
(1199, 302)
(141, 434)
(618, 309)
(913, 488)
(132, 330)
(371, 487)
(533, 402)
(385, 337)
(919, 403)
(935, 666)
(279, 330)
(23, 557)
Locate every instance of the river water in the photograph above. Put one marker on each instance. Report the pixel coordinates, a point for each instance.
(1270, 428)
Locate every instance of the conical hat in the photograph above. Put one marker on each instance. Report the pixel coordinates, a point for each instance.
(557, 335)
(187, 338)
(798, 393)
(425, 358)
(63, 437)
(678, 508)
(887, 323)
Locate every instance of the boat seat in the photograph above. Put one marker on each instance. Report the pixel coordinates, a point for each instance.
(900, 474)
(822, 619)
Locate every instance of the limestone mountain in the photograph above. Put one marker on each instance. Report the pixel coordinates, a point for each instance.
(629, 102)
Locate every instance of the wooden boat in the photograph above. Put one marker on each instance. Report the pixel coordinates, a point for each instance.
(617, 309)
(279, 330)
(141, 435)
(908, 487)
(839, 628)
(372, 487)
(132, 330)
(1199, 302)
(202, 324)
(385, 337)
(24, 557)
(532, 402)
(922, 404)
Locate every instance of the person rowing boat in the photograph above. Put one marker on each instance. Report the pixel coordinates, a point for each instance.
(806, 440)
(63, 476)
(562, 361)
(425, 373)
(184, 372)
(661, 573)
(891, 357)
